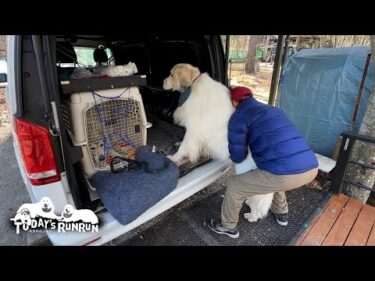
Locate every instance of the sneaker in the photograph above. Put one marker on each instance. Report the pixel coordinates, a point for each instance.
(282, 219)
(219, 229)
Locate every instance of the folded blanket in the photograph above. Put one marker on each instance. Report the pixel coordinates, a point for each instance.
(127, 195)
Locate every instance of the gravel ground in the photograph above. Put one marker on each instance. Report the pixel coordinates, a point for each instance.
(5, 129)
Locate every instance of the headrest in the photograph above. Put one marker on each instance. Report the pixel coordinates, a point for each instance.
(65, 53)
(100, 56)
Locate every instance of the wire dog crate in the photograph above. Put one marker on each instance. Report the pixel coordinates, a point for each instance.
(106, 124)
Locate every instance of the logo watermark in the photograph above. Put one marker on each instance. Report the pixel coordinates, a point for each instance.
(41, 217)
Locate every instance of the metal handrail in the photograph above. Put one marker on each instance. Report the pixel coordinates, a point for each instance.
(348, 140)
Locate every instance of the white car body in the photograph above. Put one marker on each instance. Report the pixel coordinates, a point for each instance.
(109, 228)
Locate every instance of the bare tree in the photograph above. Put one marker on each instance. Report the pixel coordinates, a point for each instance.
(342, 41)
(245, 42)
(364, 37)
(364, 152)
(232, 40)
(251, 53)
(2, 46)
(298, 38)
(247, 38)
(315, 42)
(322, 41)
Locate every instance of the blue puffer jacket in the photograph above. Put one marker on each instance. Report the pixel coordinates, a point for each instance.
(275, 143)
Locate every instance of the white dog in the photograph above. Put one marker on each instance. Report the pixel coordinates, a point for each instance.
(72, 215)
(205, 114)
(44, 208)
(259, 205)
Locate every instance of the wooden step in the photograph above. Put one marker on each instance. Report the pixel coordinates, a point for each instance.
(344, 221)
(323, 225)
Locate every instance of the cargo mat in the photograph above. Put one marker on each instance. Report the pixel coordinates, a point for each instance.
(187, 227)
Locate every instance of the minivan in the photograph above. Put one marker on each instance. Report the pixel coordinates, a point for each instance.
(50, 116)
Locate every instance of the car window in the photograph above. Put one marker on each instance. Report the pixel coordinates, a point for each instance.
(85, 57)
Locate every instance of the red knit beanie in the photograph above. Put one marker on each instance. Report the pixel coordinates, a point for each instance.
(239, 93)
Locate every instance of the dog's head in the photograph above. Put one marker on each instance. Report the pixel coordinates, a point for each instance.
(182, 76)
(47, 205)
(68, 211)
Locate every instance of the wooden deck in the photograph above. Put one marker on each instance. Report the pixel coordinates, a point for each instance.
(344, 221)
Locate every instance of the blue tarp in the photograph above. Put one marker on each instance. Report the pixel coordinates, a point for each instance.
(318, 90)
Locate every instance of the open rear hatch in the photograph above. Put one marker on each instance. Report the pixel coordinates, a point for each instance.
(111, 116)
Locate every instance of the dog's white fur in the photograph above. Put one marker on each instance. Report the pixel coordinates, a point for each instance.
(205, 114)
(259, 205)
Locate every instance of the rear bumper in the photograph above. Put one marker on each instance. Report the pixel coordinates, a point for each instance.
(110, 229)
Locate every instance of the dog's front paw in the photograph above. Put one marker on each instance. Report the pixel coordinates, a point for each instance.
(178, 160)
(174, 159)
(251, 217)
(170, 157)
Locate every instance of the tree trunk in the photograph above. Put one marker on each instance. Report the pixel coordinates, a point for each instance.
(264, 39)
(268, 39)
(342, 41)
(322, 41)
(363, 152)
(243, 43)
(250, 67)
(2, 46)
(363, 40)
(298, 38)
(316, 41)
(237, 42)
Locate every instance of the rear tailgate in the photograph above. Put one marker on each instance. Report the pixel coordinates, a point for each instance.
(110, 229)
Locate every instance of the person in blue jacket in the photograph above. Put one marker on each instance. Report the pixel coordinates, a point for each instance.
(283, 158)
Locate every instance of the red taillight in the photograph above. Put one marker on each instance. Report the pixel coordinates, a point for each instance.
(36, 152)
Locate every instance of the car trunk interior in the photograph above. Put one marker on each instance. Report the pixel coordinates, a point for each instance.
(153, 56)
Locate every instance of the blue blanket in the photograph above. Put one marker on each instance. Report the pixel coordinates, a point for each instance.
(127, 195)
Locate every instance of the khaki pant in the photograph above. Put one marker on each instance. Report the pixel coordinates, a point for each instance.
(255, 182)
